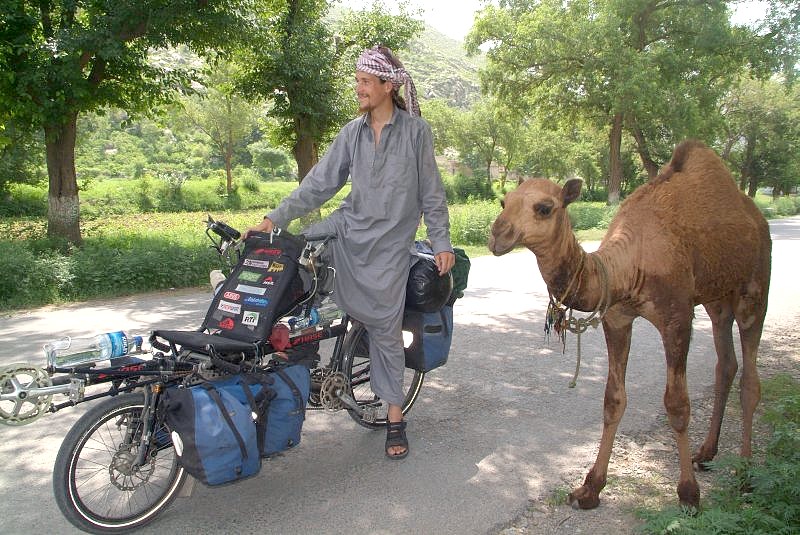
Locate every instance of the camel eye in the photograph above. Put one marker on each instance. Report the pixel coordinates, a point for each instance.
(543, 209)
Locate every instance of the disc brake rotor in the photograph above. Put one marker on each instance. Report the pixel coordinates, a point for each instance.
(124, 475)
(17, 405)
(329, 392)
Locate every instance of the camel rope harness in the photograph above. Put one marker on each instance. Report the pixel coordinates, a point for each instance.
(560, 317)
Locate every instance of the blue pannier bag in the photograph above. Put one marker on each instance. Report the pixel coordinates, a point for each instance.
(216, 427)
(432, 334)
(287, 410)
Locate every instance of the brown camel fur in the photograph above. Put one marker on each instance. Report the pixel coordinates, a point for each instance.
(688, 237)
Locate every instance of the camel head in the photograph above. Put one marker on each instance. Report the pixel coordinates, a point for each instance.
(533, 214)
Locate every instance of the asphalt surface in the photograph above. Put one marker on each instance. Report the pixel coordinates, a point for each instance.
(496, 427)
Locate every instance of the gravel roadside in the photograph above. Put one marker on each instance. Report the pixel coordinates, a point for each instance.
(643, 470)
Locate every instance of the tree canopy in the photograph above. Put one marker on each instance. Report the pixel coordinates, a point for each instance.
(654, 69)
(65, 58)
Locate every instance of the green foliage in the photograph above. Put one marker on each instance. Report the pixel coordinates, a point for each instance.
(461, 188)
(24, 200)
(786, 206)
(470, 223)
(751, 496)
(270, 162)
(587, 215)
(31, 278)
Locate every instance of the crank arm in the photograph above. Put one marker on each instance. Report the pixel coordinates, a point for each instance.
(368, 413)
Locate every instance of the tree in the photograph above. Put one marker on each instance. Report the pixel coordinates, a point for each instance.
(222, 114)
(65, 58)
(268, 157)
(653, 68)
(297, 63)
(763, 134)
(479, 133)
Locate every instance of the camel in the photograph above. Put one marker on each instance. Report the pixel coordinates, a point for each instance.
(687, 237)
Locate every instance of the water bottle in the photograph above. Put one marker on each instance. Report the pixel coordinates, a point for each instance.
(328, 312)
(73, 352)
(298, 323)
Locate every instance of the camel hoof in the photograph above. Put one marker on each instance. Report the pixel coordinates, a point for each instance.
(583, 498)
(689, 494)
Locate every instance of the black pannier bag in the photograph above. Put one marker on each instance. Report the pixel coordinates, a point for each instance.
(263, 286)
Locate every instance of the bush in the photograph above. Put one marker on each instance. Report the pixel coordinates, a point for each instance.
(470, 223)
(461, 188)
(588, 215)
(32, 278)
(786, 206)
(24, 200)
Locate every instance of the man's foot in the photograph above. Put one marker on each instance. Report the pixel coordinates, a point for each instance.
(396, 440)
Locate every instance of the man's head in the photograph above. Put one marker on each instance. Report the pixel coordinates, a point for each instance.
(379, 75)
(372, 92)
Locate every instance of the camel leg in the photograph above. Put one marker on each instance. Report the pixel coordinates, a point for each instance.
(721, 314)
(750, 385)
(617, 329)
(676, 334)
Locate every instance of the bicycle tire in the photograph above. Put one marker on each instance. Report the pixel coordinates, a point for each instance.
(93, 454)
(355, 366)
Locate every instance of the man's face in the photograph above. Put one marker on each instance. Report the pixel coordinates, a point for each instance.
(371, 91)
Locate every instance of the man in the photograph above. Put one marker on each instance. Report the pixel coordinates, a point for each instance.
(388, 155)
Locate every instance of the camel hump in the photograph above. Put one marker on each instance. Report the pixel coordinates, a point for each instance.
(679, 158)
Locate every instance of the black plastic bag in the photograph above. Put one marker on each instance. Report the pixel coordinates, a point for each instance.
(427, 291)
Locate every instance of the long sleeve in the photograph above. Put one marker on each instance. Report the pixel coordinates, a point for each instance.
(321, 183)
(432, 195)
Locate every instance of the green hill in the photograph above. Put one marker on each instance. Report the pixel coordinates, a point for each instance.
(441, 69)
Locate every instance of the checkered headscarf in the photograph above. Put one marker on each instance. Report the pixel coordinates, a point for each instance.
(373, 61)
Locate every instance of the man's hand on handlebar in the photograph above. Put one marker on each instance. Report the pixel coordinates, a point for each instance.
(445, 261)
(265, 226)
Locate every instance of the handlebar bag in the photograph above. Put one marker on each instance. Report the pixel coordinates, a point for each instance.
(432, 334)
(217, 426)
(263, 286)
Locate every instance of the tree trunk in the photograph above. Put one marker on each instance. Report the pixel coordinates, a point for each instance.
(747, 167)
(644, 153)
(228, 158)
(306, 155)
(63, 206)
(615, 160)
(229, 150)
(305, 149)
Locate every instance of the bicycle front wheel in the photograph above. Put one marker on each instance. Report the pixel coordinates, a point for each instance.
(98, 485)
(356, 366)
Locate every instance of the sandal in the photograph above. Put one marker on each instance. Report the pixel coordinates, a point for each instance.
(396, 436)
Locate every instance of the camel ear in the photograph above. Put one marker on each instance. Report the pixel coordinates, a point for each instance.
(571, 191)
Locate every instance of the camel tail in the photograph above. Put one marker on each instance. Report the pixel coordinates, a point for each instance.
(679, 157)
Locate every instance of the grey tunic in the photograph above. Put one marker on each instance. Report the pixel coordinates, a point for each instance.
(392, 185)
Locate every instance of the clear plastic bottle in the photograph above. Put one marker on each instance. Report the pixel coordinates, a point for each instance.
(328, 312)
(72, 352)
(298, 323)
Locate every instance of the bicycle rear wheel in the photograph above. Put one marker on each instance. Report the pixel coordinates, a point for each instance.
(355, 366)
(96, 483)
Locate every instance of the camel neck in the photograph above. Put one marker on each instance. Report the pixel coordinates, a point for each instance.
(571, 274)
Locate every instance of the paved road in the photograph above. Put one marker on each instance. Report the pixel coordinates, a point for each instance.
(493, 429)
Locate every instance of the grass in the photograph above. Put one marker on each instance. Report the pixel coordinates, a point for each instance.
(147, 234)
(754, 496)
